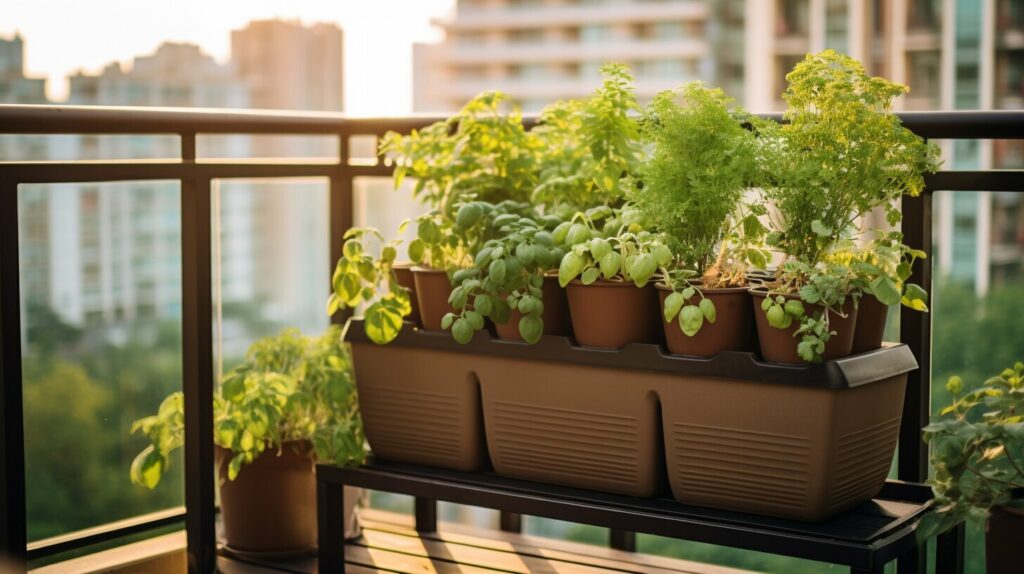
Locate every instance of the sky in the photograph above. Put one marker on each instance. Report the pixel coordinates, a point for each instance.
(62, 36)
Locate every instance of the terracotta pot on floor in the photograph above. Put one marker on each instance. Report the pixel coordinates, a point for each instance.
(871, 316)
(270, 507)
(779, 345)
(613, 314)
(730, 331)
(432, 291)
(403, 271)
(556, 313)
(1004, 541)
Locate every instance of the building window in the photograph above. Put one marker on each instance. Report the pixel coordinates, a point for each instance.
(594, 33)
(792, 18)
(836, 25)
(924, 15)
(1010, 79)
(1010, 15)
(526, 36)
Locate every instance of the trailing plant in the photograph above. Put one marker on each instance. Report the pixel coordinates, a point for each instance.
(587, 149)
(840, 153)
(362, 278)
(290, 388)
(507, 274)
(618, 250)
(977, 450)
(826, 286)
(483, 153)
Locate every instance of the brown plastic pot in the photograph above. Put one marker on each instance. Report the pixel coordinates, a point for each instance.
(555, 315)
(432, 291)
(403, 272)
(779, 345)
(871, 316)
(1004, 553)
(730, 331)
(419, 405)
(270, 507)
(613, 314)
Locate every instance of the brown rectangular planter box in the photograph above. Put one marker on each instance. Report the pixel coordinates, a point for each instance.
(796, 441)
(419, 405)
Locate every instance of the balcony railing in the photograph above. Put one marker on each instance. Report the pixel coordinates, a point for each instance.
(195, 178)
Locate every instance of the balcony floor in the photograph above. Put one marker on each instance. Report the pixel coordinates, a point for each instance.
(389, 543)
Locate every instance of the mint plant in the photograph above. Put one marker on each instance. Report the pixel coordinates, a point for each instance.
(290, 388)
(587, 149)
(977, 450)
(483, 153)
(618, 250)
(362, 278)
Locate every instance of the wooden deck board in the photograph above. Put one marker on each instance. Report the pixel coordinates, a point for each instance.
(390, 544)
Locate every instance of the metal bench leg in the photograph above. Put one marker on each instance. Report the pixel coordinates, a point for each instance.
(949, 551)
(330, 518)
(426, 515)
(913, 561)
(510, 522)
(622, 540)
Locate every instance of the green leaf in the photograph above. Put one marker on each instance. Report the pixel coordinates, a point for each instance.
(820, 229)
(673, 303)
(497, 271)
(482, 304)
(610, 264)
(794, 307)
(462, 331)
(447, 320)
(915, 297)
(531, 327)
(475, 319)
(642, 268)
(427, 232)
(147, 468)
(525, 253)
(416, 249)
(690, 320)
(708, 309)
(688, 293)
(778, 318)
(352, 249)
(885, 290)
(381, 324)
(590, 275)
(468, 215)
(578, 233)
(571, 266)
(599, 248)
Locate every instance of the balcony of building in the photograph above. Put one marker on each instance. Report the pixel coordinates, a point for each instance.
(184, 265)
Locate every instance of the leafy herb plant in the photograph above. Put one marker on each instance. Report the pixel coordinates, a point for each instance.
(977, 450)
(618, 250)
(362, 278)
(290, 388)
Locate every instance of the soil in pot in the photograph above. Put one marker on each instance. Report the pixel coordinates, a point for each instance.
(613, 314)
(556, 313)
(269, 509)
(730, 331)
(432, 291)
(871, 316)
(779, 345)
(403, 271)
(1004, 553)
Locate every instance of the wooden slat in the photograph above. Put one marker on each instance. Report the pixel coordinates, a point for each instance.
(544, 548)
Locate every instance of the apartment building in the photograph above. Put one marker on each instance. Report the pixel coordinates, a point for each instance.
(543, 50)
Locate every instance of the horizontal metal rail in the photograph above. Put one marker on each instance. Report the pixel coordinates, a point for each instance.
(48, 547)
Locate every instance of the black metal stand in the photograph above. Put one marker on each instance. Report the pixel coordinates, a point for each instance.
(865, 538)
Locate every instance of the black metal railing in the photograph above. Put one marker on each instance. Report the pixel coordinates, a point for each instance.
(197, 314)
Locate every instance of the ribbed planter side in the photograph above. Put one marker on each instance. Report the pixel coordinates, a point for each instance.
(573, 425)
(420, 406)
(795, 452)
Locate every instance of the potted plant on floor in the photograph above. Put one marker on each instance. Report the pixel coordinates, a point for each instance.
(291, 403)
(692, 192)
(362, 278)
(840, 154)
(977, 459)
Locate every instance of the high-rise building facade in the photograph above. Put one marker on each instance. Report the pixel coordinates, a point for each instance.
(543, 50)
